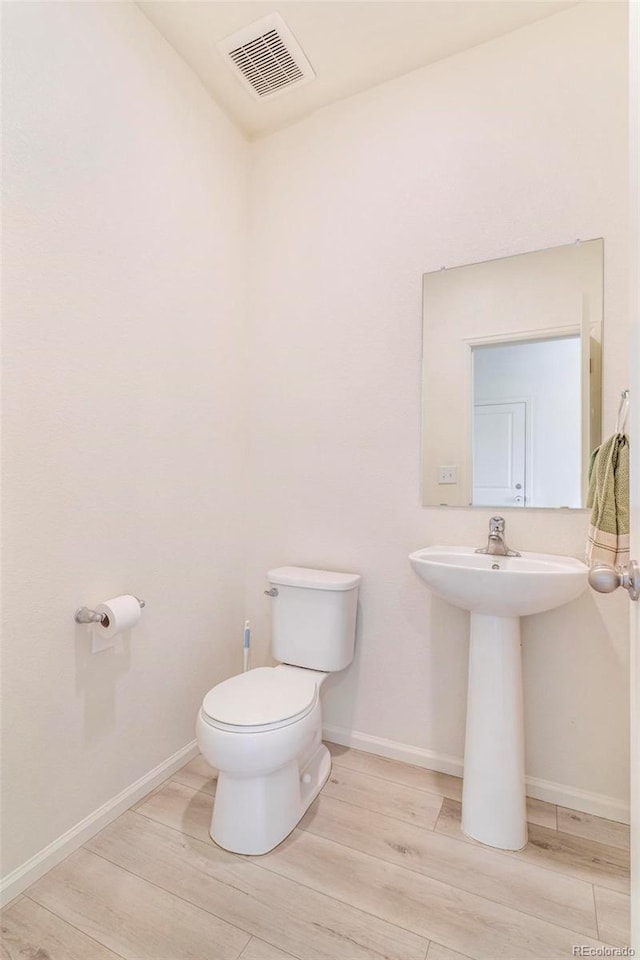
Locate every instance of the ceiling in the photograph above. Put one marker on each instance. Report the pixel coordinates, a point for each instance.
(352, 44)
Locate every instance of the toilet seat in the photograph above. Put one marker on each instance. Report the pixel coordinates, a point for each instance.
(262, 699)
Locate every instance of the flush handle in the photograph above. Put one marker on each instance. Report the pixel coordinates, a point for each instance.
(271, 593)
(605, 579)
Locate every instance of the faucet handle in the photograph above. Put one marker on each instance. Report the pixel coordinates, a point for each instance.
(496, 525)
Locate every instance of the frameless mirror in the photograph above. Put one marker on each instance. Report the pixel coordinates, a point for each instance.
(511, 379)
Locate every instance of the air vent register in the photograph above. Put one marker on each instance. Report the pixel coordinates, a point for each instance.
(267, 57)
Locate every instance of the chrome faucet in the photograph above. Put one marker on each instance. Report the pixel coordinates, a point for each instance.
(496, 545)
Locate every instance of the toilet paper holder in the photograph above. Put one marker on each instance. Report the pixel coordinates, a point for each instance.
(85, 615)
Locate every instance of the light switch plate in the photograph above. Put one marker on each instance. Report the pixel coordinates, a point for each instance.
(448, 474)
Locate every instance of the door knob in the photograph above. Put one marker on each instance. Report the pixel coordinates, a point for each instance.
(605, 579)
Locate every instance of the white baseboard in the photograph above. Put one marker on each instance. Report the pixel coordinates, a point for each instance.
(26, 874)
(574, 798)
(418, 756)
(598, 804)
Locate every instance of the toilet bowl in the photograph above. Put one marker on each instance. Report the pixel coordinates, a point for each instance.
(262, 730)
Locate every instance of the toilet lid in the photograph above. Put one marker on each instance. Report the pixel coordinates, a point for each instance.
(262, 696)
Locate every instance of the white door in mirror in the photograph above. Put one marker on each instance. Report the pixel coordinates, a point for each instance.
(499, 445)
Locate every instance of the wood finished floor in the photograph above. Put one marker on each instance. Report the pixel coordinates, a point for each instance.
(378, 868)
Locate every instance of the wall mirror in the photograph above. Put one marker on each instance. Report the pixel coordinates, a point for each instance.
(511, 379)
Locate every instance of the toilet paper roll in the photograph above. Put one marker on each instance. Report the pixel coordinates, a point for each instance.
(121, 613)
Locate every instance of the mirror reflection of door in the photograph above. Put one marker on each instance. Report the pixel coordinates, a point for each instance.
(527, 414)
(499, 454)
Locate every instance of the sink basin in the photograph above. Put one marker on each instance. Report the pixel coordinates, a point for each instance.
(520, 586)
(497, 591)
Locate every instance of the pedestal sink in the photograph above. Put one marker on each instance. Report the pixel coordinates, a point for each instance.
(497, 591)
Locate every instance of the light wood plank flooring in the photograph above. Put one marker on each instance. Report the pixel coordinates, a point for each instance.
(378, 868)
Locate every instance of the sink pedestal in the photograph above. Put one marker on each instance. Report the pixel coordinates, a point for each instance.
(493, 797)
(497, 591)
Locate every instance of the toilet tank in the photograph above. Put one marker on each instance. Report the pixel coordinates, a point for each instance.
(314, 617)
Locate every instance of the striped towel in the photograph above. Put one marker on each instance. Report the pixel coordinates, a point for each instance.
(608, 497)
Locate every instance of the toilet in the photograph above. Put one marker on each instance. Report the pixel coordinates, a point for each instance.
(262, 730)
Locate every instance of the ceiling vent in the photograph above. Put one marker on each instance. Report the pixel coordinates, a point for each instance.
(267, 58)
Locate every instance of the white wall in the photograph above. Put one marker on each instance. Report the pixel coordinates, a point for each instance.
(545, 373)
(518, 144)
(125, 227)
